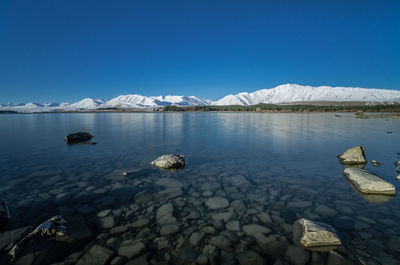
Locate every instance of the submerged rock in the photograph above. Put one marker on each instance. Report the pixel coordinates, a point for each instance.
(221, 242)
(250, 258)
(353, 156)
(254, 229)
(216, 203)
(97, 255)
(164, 214)
(368, 183)
(4, 215)
(9, 238)
(273, 245)
(131, 249)
(315, 236)
(51, 228)
(78, 137)
(172, 161)
(169, 229)
(297, 255)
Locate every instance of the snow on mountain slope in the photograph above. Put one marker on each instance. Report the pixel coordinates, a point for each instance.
(181, 100)
(25, 108)
(129, 101)
(138, 101)
(290, 93)
(85, 104)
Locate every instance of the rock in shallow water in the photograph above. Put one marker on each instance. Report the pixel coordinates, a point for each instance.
(97, 255)
(196, 238)
(369, 183)
(216, 203)
(250, 258)
(164, 214)
(273, 245)
(54, 227)
(169, 229)
(254, 229)
(78, 137)
(315, 236)
(221, 242)
(297, 255)
(4, 215)
(353, 156)
(172, 161)
(131, 250)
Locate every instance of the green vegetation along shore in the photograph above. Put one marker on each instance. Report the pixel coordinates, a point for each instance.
(290, 108)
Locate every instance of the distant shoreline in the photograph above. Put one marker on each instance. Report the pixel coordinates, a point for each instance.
(260, 108)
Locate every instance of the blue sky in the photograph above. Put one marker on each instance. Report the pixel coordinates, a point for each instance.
(54, 51)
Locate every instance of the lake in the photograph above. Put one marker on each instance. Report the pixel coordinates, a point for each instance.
(272, 168)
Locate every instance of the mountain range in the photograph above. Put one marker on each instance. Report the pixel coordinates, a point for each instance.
(283, 94)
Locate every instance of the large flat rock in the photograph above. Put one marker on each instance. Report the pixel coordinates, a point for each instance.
(315, 236)
(353, 156)
(368, 183)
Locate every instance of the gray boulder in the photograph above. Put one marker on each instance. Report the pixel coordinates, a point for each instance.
(172, 161)
(315, 236)
(353, 156)
(369, 183)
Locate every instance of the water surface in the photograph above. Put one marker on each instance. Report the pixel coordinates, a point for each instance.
(283, 165)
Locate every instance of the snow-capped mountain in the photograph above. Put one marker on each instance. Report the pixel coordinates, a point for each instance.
(283, 94)
(123, 101)
(85, 104)
(138, 101)
(34, 107)
(129, 101)
(291, 93)
(182, 100)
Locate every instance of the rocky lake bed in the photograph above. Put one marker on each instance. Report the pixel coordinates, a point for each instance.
(277, 197)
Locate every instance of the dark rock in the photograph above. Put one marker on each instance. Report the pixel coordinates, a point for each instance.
(9, 238)
(141, 260)
(335, 258)
(273, 245)
(54, 227)
(97, 255)
(227, 257)
(297, 255)
(186, 256)
(250, 258)
(131, 249)
(4, 215)
(221, 242)
(78, 137)
(169, 229)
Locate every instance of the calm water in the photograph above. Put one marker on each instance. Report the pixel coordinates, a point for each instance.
(283, 165)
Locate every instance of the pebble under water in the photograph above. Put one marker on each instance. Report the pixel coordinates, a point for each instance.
(245, 173)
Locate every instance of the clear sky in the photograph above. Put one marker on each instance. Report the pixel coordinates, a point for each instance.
(56, 50)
